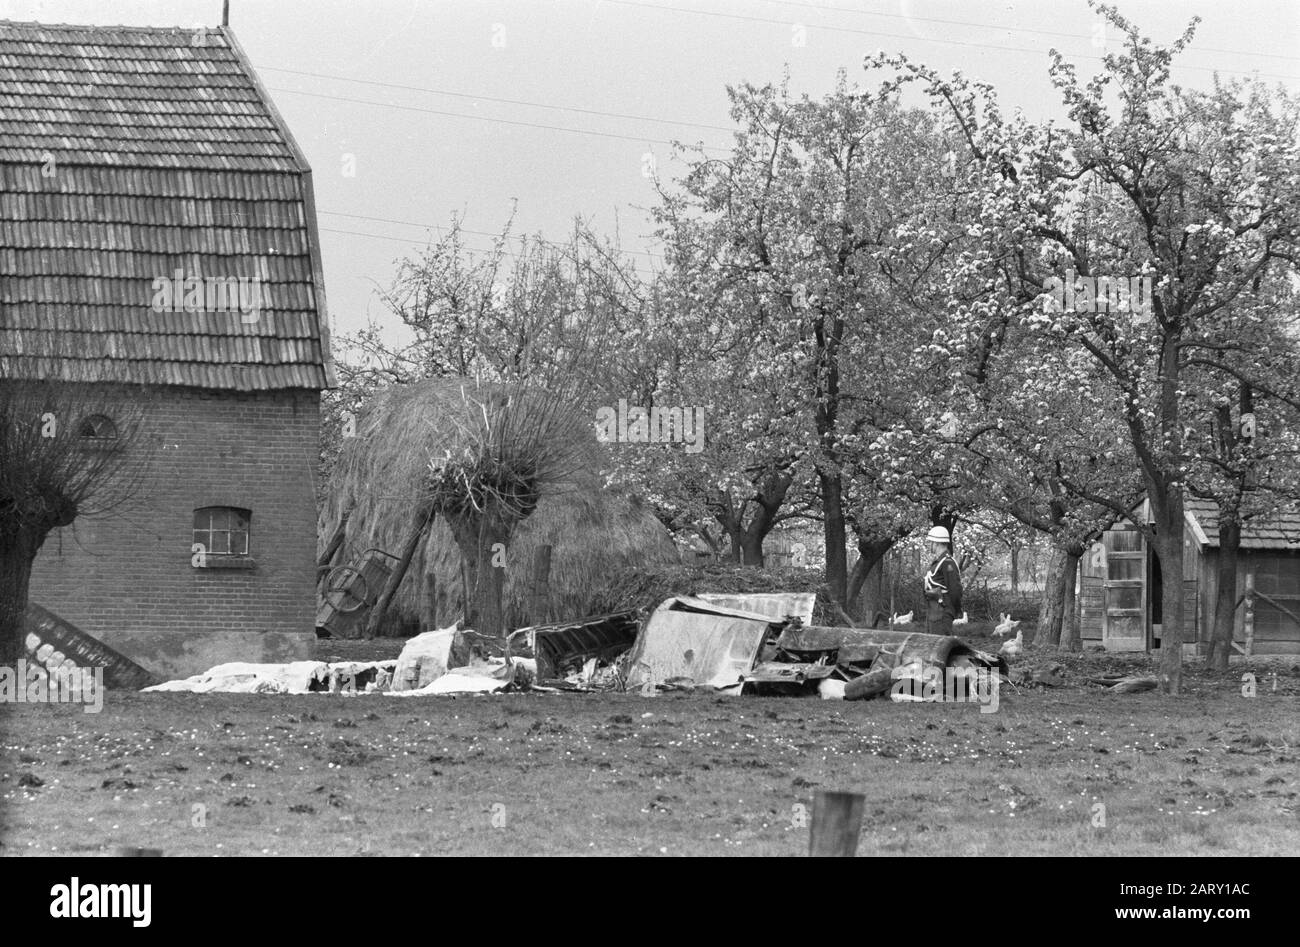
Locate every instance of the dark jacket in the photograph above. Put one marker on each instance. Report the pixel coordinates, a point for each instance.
(946, 602)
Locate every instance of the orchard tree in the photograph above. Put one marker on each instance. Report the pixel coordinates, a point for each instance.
(1192, 191)
(1246, 394)
(782, 244)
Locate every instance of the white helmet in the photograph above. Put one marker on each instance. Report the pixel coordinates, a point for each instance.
(938, 534)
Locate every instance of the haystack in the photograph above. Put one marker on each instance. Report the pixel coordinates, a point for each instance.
(596, 535)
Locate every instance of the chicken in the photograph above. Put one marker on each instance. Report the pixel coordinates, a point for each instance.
(1005, 625)
(964, 620)
(904, 619)
(1012, 648)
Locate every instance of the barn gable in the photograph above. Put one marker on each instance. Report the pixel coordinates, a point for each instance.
(156, 216)
(158, 238)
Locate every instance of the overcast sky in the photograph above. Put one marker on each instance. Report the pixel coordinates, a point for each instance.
(411, 93)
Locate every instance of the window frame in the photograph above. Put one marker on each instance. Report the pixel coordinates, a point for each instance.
(238, 521)
(104, 434)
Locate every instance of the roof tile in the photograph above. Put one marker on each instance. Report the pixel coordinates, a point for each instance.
(129, 156)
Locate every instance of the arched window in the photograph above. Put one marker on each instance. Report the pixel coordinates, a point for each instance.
(223, 530)
(97, 430)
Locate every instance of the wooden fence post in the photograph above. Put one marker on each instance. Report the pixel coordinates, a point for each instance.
(836, 824)
(430, 618)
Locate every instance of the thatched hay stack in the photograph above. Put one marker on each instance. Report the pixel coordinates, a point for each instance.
(597, 536)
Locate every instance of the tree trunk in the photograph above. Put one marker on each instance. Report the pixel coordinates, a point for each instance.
(715, 545)
(1165, 494)
(1169, 549)
(1070, 639)
(832, 490)
(396, 576)
(540, 589)
(1050, 613)
(871, 553)
(873, 595)
(1225, 602)
(485, 611)
(17, 554)
(1015, 569)
(747, 540)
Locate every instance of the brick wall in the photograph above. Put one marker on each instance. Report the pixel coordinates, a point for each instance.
(129, 571)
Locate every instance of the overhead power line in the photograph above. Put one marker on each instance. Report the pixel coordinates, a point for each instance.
(914, 38)
(478, 233)
(996, 26)
(484, 118)
(492, 98)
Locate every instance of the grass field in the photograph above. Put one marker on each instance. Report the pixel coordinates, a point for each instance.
(1208, 773)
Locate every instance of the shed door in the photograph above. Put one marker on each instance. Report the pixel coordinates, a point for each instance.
(1126, 607)
(1277, 603)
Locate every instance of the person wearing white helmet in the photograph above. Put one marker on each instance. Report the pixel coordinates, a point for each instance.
(942, 584)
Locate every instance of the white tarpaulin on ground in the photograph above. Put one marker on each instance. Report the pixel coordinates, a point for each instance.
(298, 677)
(241, 678)
(479, 678)
(424, 659)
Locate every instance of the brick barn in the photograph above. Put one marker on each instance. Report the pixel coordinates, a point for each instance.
(157, 219)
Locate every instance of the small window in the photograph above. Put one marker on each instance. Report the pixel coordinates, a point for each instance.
(223, 530)
(97, 430)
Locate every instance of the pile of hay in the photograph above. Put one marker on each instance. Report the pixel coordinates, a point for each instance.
(597, 537)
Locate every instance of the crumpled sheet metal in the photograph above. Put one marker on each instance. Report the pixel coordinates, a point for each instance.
(711, 644)
(863, 644)
(602, 637)
(775, 605)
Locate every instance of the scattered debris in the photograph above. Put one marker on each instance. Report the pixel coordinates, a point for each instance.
(427, 657)
(482, 677)
(577, 652)
(1126, 685)
(731, 644)
(779, 605)
(713, 645)
(298, 677)
(831, 689)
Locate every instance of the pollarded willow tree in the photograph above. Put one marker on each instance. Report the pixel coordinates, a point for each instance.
(69, 450)
(522, 340)
(1194, 191)
(506, 448)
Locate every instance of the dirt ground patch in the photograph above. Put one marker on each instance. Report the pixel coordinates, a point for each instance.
(1062, 770)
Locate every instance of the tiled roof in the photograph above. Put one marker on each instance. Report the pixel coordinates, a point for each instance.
(134, 155)
(1280, 531)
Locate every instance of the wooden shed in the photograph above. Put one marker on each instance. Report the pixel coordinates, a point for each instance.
(1120, 585)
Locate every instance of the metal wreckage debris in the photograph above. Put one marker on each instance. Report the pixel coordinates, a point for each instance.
(732, 644)
(761, 644)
